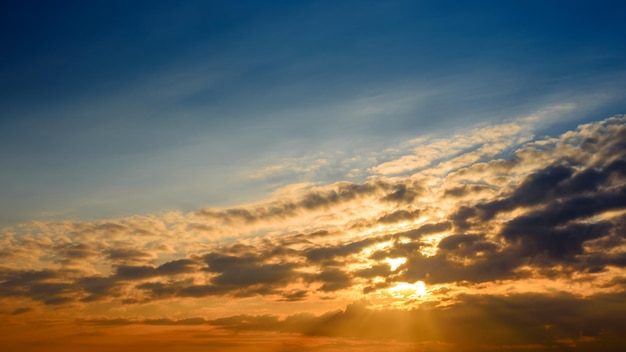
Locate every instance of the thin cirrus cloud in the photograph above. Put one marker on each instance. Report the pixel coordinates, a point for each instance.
(531, 252)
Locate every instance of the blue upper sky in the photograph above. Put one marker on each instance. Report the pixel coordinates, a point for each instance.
(110, 108)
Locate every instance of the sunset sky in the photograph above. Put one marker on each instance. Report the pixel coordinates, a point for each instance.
(312, 176)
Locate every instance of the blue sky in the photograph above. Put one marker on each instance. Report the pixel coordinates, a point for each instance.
(113, 108)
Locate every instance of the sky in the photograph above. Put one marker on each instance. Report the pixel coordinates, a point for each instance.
(312, 175)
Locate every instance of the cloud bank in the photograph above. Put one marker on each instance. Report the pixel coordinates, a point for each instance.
(493, 240)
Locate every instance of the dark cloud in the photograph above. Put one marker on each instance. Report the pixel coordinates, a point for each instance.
(58, 287)
(201, 290)
(21, 277)
(111, 227)
(455, 241)
(559, 229)
(175, 267)
(462, 217)
(553, 183)
(159, 290)
(22, 310)
(565, 178)
(126, 254)
(401, 193)
(524, 322)
(74, 252)
(312, 200)
(535, 189)
(333, 279)
(108, 322)
(182, 288)
(464, 190)
(247, 322)
(597, 262)
(297, 295)
(51, 293)
(426, 229)
(441, 268)
(134, 272)
(398, 249)
(97, 287)
(398, 216)
(549, 236)
(246, 270)
(238, 275)
(43, 286)
(559, 222)
(315, 200)
(558, 243)
(382, 270)
(265, 274)
(317, 255)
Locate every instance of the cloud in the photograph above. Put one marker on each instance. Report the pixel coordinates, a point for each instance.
(539, 227)
(475, 322)
(22, 310)
(329, 253)
(126, 255)
(246, 271)
(313, 199)
(333, 279)
(488, 142)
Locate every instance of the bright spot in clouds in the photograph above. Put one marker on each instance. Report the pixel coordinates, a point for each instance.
(404, 290)
(394, 263)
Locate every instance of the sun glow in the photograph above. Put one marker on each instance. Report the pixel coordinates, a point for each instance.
(394, 263)
(411, 291)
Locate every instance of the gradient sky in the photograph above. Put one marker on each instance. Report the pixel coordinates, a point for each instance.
(312, 175)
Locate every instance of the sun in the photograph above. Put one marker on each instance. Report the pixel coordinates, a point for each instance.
(420, 288)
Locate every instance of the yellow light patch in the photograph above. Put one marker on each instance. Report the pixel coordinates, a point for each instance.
(407, 290)
(394, 263)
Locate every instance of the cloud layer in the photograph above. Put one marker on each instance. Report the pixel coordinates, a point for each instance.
(495, 238)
